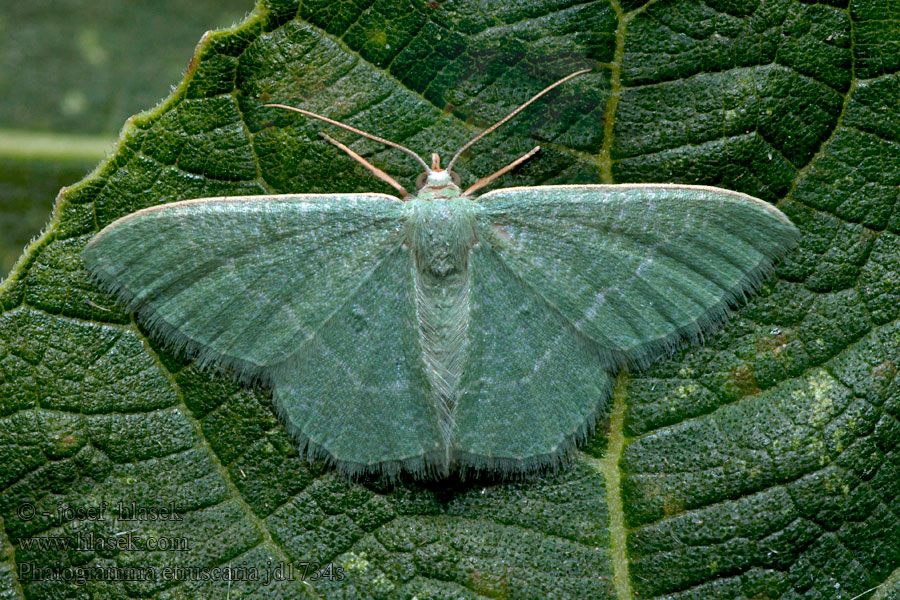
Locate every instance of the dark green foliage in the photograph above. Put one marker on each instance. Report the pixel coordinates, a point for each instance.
(762, 464)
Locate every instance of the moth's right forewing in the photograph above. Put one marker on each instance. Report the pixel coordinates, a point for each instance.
(635, 268)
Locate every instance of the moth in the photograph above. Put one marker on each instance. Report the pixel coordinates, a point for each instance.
(440, 332)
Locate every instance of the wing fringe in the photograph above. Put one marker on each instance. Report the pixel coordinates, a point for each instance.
(463, 467)
(713, 318)
(172, 339)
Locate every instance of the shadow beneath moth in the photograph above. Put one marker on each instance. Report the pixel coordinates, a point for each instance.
(440, 334)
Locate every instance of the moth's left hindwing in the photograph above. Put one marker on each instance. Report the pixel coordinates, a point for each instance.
(635, 268)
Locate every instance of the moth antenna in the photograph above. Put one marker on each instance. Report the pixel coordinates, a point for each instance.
(375, 170)
(486, 180)
(511, 115)
(354, 130)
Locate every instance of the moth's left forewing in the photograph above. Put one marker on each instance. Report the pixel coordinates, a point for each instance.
(635, 268)
(242, 281)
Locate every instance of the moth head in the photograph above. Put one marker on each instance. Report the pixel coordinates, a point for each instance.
(436, 177)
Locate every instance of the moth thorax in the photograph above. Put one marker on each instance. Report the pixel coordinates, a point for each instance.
(444, 254)
(443, 233)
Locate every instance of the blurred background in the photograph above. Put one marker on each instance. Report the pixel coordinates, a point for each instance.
(73, 71)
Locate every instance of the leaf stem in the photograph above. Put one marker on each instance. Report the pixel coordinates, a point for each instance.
(32, 145)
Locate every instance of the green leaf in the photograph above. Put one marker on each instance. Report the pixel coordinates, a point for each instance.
(762, 464)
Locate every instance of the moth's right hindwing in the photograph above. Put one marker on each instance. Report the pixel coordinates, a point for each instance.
(533, 386)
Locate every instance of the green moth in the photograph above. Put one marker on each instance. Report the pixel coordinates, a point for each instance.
(441, 332)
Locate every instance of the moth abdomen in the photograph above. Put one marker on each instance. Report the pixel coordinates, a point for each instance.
(440, 235)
